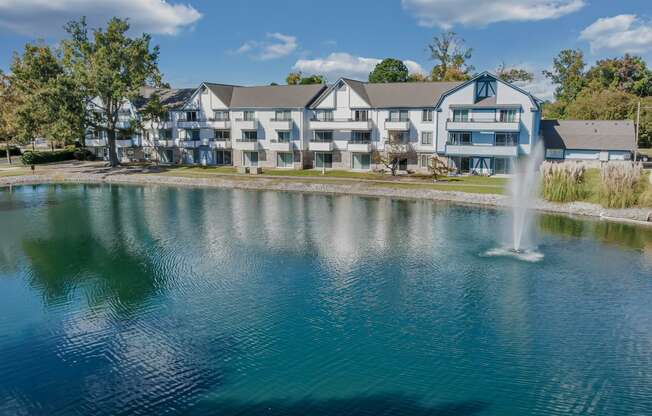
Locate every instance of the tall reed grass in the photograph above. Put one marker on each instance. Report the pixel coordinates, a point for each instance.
(562, 182)
(621, 184)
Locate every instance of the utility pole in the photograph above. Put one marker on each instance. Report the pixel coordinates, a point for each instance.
(638, 127)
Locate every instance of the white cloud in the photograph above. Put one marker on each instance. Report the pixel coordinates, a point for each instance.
(623, 33)
(39, 18)
(448, 13)
(277, 45)
(341, 64)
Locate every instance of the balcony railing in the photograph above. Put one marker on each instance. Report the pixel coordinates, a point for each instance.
(470, 143)
(484, 120)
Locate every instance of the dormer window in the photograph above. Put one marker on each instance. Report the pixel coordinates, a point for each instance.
(324, 115)
(191, 116)
(485, 88)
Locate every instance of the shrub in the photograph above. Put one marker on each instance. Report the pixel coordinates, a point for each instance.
(84, 154)
(13, 151)
(31, 157)
(621, 184)
(563, 182)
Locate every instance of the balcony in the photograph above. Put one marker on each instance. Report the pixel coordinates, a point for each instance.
(191, 124)
(189, 144)
(246, 124)
(462, 149)
(281, 146)
(482, 125)
(397, 125)
(164, 143)
(95, 142)
(281, 124)
(399, 145)
(246, 145)
(219, 143)
(320, 146)
(124, 143)
(342, 124)
(359, 146)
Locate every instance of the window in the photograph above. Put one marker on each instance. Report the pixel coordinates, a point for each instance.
(426, 114)
(165, 134)
(324, 160)
(460, 115)
(284, 160)
(222, 134)
(250, 135)
(249, 115)
(165, 116)
(220, 115)
(192, 134)
(223, 157)
(324, 115)
(191, 116)
(323, 136)
(507, 116)
(423, 161)
(283, 136)
(485, 88)
(506, 139)
(360, 136)
(459, 138)
(426, 137)
(555, 153)
(399, 137)
(361, 161)
(501, 165)
(398, 115)
(283, 115)
(361, 115)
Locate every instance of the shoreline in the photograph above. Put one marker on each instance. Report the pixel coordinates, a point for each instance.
(640, 216)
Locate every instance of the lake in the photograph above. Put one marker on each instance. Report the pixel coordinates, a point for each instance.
(160, 300)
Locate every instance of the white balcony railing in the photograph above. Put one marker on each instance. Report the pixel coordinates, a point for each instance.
(219, 143)
(481, 150)
(189, 144)
(359, 146)
(320, 146)
(124, 143)
(281, 124)
(246, 124)
(246, 145)
(397, 125)
(344, 124)
(281, 146)
(483, 125)
(95, 142)
(164, 143)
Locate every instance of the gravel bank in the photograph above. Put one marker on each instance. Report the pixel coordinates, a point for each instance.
(363, 188)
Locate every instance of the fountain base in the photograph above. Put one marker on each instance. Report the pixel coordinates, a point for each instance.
(530, 256)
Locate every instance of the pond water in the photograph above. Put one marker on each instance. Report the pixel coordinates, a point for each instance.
(159, 300)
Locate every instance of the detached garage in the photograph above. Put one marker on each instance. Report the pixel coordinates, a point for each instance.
(598, 140)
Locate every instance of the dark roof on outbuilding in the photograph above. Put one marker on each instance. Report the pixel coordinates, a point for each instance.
(589, 134)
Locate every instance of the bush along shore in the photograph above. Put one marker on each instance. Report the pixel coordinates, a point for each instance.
(90, 173)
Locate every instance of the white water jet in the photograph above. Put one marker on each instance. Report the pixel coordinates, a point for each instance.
(524, 189)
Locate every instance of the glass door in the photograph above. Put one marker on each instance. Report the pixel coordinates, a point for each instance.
(324, 160)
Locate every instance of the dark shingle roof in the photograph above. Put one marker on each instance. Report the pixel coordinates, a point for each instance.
(170, 97)
(589, 134)
(269, 96)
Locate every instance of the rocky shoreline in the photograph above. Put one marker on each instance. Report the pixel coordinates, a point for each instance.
(361, 188)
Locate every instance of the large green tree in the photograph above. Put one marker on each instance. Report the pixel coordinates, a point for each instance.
(514, 74)
(567, 74)
(297, 78)
(389, 70)
(153, 114)
(9, 100)
(110, 67)
(451, 57)
(628, 74)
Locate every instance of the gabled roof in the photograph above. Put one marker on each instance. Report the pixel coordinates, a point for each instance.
(222, 91)
(395, 94)
(589, 134)
(268, 96)
(171, 98)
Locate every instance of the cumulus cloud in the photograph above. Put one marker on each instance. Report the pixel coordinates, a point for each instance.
(341, 64)
(40, 18)
(276, 45)
(448, 13)
(622, 33)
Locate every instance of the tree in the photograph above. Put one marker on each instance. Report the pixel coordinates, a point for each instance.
(394, 151)
(448, 50)
(389, 70)
(514, 74)
(438, 167)
(154, 113)
(297, 78)
(110, 67)
(567, 74)
(9, 100)
(628, 74)
(417, 77)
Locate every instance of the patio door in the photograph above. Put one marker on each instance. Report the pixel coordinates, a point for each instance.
(361, 161)
(251, 159)
(323, 160)
(482, 165)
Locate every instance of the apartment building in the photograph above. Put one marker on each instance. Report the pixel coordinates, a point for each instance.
(479, 126)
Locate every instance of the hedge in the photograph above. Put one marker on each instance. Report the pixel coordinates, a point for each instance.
(31, 157)
(13, 151)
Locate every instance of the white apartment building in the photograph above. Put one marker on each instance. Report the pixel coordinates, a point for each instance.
(479, 126)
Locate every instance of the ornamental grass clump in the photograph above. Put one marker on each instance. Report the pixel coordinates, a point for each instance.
(562, 182)
(621, 183)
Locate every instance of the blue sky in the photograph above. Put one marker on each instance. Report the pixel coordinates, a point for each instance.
(259, 41)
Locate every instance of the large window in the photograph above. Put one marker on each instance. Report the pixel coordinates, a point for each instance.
(398, 115)
(323, 160)
(360, 136)
(249, 115)
(506, 139)
(460, 115)
(323, 136)
(192, 134)
(361, 161)
(459, 138)
(485, 88)
(223, 157)
(507, 116)
(221, 115)
(502, 165)
(222, 135)
(165, 134)
(191, 116)
(399, 137)
(250, 135)
(426, 137)
(284, 160)
(426, 114)
(361, 115)
(324, 115)
(283, 115)
(283, 136)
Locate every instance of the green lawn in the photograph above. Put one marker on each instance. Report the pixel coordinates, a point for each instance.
(14, 172)
(328, 174)
(209, 170)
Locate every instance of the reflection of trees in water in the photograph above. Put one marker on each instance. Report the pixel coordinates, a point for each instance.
(73, 254)
(626, 235)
